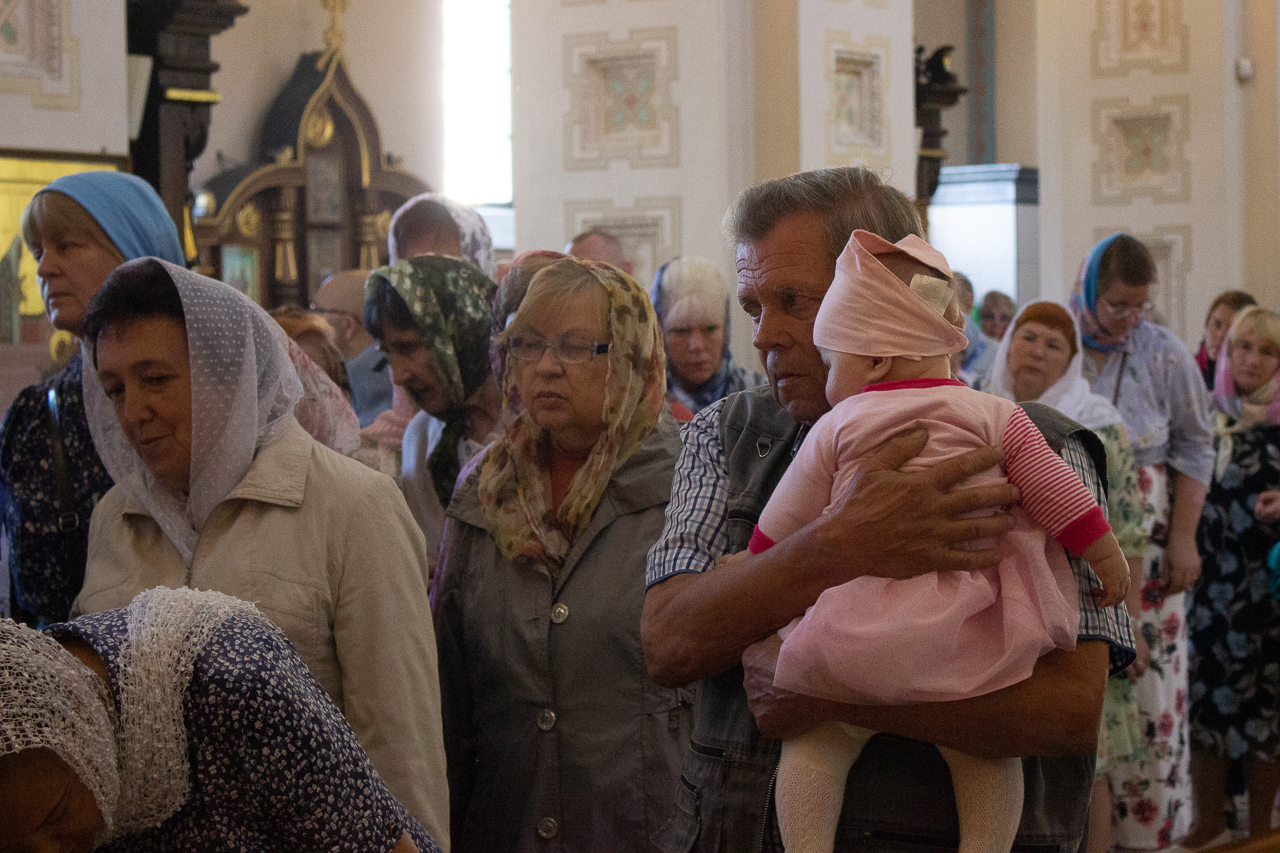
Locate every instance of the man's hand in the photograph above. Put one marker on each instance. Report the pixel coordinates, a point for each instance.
(779, 713)
(1181, 566)
(1267, 509)
(887, 523)
(912, 518)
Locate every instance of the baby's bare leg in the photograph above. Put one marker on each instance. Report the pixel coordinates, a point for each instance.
(989, 799)
(811, 779)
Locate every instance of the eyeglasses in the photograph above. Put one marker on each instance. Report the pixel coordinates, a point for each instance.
(570, 349)
(1124, 310)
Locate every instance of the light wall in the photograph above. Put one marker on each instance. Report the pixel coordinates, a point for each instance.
(664, 190)
(1016, 74)
(1189, 198)
(882, 30)
(392, 48)
(82, 109)
(1261, 154)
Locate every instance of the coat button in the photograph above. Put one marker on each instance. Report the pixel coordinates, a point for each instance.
(546, 719)
(548, 827)
(559, 613)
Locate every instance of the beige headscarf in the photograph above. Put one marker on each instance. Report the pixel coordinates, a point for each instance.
(515, 489)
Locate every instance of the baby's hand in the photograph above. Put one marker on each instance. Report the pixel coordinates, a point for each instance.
(1112, 569)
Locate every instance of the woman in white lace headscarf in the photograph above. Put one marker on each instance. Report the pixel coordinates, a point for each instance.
(190, 401)
(433, 224)
(180, 723)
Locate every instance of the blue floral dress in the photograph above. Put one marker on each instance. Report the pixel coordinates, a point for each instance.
(1233, 618)
(274, 766)
(47, 555)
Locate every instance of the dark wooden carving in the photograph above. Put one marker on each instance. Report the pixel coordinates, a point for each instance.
(175, 124)
(937, 88)
(319, 197)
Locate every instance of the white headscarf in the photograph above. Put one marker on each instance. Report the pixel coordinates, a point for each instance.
(473, 233)
(50, 700)
(1070, 394)
(133, 759)
(243, 390)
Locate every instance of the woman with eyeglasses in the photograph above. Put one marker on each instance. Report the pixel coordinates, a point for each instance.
(554, 732)
(1149, 375)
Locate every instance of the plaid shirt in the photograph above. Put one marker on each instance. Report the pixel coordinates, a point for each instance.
(695, 535)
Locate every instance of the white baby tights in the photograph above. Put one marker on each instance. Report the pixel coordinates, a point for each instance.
(815, 766)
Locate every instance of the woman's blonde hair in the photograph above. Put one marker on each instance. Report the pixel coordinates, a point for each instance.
(553, 286)
(301, 325)
(693, 291)
(1259, 321)
(52, 215)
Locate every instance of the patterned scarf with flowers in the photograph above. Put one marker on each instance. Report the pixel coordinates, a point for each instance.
(451, 301)
(515, 487)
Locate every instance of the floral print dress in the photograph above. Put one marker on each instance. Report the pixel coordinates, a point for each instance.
(1153, 794)
(46, 550)
(1234, 619)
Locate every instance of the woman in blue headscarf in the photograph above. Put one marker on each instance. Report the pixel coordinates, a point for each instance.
(1149, 375)
(692, 303)
(80, 227)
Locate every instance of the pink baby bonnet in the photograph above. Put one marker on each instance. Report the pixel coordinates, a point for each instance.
(869, 311)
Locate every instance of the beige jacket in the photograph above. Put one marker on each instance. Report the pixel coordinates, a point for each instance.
(327, 549)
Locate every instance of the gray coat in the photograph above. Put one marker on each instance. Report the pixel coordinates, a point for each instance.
(556, 738)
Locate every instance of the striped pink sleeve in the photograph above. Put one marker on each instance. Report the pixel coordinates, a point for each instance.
(1051, 492)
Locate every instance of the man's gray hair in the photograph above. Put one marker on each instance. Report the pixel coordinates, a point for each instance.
(848, 197)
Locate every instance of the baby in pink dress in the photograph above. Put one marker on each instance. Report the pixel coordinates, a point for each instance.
(885, 330)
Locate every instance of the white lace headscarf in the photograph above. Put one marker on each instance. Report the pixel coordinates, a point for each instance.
(473, 233)
(243, 390)
(133, 761)
(50, 700)
(1070, 394)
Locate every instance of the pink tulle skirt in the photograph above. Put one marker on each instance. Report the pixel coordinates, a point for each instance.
(937, 637)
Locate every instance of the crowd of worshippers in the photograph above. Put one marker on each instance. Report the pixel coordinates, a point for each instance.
(520, 559)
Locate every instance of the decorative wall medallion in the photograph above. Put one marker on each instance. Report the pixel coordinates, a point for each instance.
(248, 221)
(649, 230)
(856, 127)
(1170, 246)
(38, 55)
(1140, 34)
(620, 99)
(1141, 150)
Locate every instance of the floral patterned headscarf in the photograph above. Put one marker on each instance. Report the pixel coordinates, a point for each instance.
(515, 488)
(451, 301)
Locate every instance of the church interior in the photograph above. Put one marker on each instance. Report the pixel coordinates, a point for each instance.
(281, 135)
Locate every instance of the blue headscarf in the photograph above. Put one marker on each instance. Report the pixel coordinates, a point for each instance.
(128, 209)
(1084, 302)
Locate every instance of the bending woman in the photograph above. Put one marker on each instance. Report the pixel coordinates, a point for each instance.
(184, 722)
(79, 228)
(552, 726)
(217, 487)
(1151, 378)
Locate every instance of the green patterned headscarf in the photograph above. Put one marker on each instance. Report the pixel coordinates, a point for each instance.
(451, 302)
